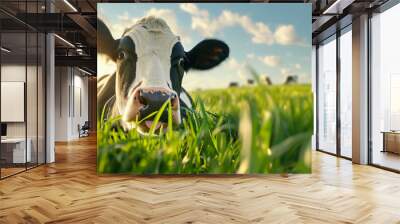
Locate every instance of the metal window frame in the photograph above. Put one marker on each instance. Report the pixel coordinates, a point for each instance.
(389, 4)
(339, 32)
(381, 9)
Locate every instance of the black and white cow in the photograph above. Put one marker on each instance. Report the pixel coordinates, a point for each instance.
(151, 62)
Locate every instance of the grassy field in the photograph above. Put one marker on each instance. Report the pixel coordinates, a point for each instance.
(258, 129)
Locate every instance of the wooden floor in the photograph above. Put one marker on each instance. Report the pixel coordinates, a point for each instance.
(387, 159)
(70, 191)
(11, 170)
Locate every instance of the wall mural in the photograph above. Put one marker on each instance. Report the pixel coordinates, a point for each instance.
(204, 88)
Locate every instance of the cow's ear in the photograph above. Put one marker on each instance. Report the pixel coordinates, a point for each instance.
(206, 54)
(105, 41)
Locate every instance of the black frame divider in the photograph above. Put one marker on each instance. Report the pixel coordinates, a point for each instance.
(0, 97)
(26, 88)
(316, 97)
(338, 99)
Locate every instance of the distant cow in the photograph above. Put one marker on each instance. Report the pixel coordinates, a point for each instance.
(233, 84)
(151, 62)
(291, 79)
(268, 80)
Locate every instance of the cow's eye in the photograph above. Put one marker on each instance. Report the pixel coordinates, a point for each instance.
(180, 62)
(121, 55)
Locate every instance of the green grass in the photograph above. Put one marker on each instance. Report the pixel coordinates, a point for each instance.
(259, 129)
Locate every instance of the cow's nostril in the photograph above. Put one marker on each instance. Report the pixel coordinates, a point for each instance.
(174, 100)
(152, 100)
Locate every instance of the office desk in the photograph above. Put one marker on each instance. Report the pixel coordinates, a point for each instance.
(391, 141)
(13, 150)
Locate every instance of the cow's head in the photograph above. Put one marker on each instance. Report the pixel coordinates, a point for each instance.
(151, 62)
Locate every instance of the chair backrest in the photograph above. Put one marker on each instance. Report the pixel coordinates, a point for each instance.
(86, 125)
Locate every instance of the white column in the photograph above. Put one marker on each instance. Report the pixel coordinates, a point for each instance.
(50, 93)
(360, 90)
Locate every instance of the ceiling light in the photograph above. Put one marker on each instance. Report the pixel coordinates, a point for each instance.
(338, 6)
(70, 5)
(5, 50)
(64, 40)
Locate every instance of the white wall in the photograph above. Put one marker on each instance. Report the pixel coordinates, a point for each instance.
(11, 73)
(33, 127)
(62, 81)
(16, 73)
(70, 83)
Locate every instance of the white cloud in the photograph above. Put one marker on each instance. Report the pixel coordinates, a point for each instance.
(271, 61)
(192, 9)
(286, 35)
(125, 21)
(259, 31)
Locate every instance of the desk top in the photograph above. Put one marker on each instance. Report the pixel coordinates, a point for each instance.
(14, 140)
(391, 132)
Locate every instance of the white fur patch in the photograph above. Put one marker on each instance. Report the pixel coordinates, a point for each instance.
(154, 42)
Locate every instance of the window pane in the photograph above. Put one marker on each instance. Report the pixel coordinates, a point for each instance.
(346, 94)
(327, 96)
(386, 89)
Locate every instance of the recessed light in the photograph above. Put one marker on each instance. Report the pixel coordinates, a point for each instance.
(64, 40)
(84, 71)
(5, 49)
(70, 5)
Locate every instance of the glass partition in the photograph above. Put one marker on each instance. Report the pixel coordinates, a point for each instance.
(22, 88)
(15, 152)
(327, 95)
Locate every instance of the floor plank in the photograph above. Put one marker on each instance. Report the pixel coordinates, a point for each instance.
(70, 191)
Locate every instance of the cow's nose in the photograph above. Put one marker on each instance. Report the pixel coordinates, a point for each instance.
(152, 100)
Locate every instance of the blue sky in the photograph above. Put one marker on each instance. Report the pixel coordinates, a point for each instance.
(274, 39)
